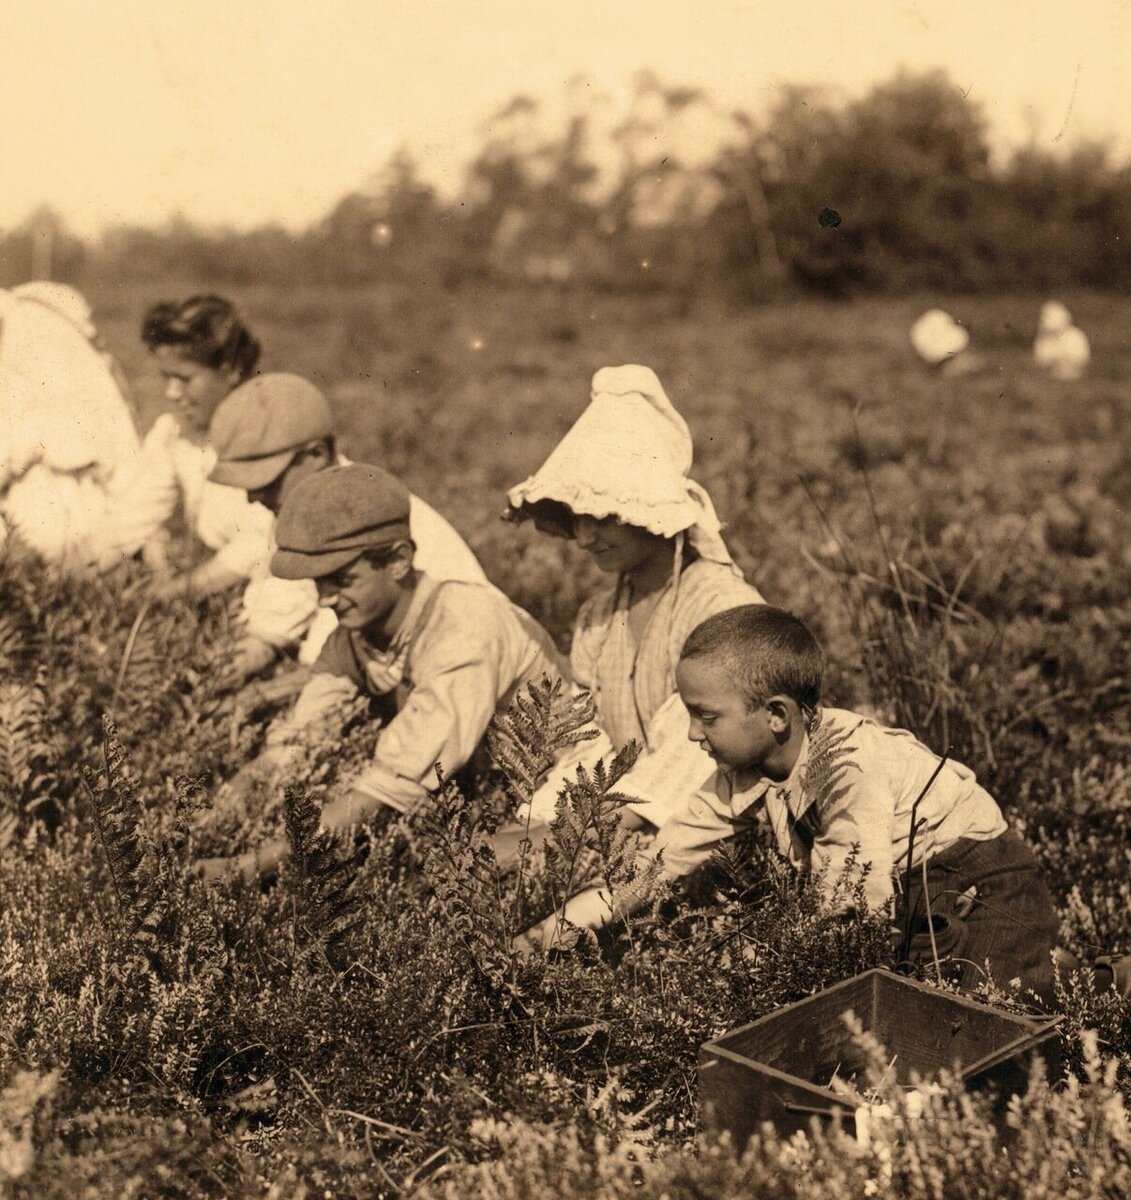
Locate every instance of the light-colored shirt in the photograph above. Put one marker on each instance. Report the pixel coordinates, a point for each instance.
(461, 655)
(222, 517)
(75, 498)
(853, 785)
(633, 687)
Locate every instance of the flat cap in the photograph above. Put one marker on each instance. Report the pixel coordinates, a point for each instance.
(335, 515)
(259, 428)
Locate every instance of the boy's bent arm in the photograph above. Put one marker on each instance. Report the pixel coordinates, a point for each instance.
(207, 579)
(320, 695)
(684, 843)
(457, 667)
(862, 820)
(590, 909)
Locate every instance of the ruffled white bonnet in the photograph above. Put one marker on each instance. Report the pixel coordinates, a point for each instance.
(628, 455)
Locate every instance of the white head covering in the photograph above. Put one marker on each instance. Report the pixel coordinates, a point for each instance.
(628, 455)
(937, 336)
(71, 383)
(1060, 347)
(61, 298)
(1055, 318)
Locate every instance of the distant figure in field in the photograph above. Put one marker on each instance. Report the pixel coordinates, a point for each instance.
(942, 344)
(1061, 349)
(74, 484)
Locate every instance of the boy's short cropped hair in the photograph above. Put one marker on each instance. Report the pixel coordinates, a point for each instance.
(765, 651)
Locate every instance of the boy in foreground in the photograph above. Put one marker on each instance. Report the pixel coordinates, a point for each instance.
(837, 789)
(441, 657)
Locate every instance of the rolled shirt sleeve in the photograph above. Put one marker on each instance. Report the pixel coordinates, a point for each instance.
(248, 551)
(280, 611)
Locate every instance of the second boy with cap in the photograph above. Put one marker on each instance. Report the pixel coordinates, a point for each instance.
(444, 655)
(269, 434)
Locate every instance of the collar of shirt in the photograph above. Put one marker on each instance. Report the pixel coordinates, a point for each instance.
(748, 784)
(385, 667)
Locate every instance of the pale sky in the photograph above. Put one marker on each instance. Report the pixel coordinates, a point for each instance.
(244, 112)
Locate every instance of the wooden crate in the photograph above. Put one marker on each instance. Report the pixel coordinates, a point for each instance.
(774, 1068)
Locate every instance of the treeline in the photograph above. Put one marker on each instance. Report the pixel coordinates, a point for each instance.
(895, 191)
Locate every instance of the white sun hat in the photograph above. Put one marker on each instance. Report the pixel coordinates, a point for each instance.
(1054, 317)
(628, 456)
(1060, 348)
(937, 336)
(67, 301)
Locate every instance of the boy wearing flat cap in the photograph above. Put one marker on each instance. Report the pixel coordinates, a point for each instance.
(446, 655)
(269, 434)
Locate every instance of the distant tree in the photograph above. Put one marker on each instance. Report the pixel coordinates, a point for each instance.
(395, 203)
(41, 247)
(882, 192)
(393, 221)
(1064, 218)
(904, 174)
(529, 189)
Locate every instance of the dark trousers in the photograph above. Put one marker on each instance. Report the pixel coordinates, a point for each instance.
(1011, 924)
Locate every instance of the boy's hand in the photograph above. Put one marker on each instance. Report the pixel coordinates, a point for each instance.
(547, 935)
(263, 860)
(506, 843)
(155, 555)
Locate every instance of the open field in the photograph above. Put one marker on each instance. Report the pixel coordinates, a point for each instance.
(964, 548)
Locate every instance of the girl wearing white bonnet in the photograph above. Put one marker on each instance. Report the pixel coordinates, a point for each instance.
(618, 483)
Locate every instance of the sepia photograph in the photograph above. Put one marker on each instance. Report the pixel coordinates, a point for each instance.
(565, 600)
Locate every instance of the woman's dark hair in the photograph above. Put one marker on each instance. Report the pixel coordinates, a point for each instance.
(207, 330)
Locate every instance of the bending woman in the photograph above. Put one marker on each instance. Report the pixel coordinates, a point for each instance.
(74, 485)
(618, 484)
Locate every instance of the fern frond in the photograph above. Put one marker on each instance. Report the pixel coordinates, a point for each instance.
(22, 708)
(541, 721)
(329, 907)
(117, 814)
(468, 885)
(825, 778)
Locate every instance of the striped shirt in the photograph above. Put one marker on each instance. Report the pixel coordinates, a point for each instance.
(630, 682)
(633, 686)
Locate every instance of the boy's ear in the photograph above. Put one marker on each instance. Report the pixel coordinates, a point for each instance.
(318, 450)
(779, 713)
(400, 560)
